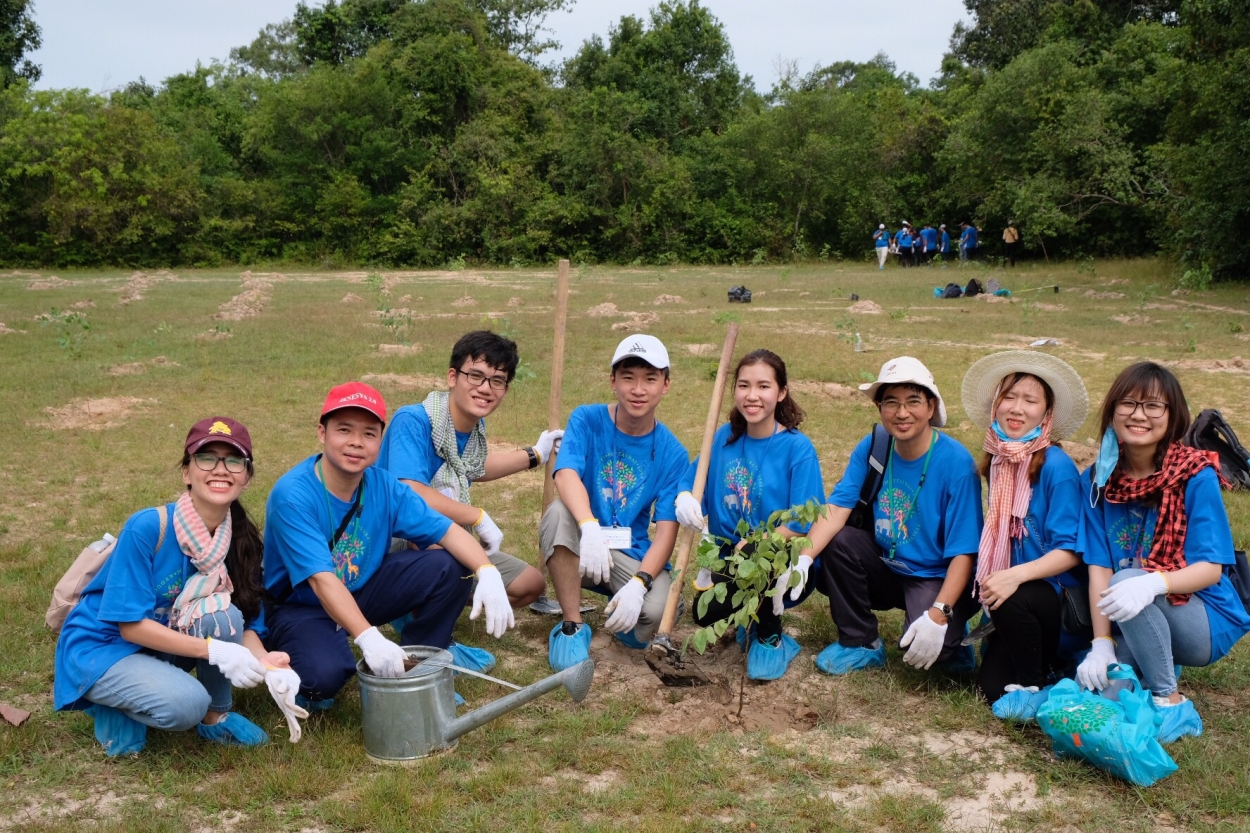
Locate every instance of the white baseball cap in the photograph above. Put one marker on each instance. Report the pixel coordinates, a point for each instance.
(908, 371)
(648, 348)
(881, 226)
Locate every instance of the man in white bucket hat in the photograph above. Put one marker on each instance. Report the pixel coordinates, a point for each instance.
(914, 544)
(881, 238)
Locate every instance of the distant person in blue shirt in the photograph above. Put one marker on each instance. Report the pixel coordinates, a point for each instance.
(926, 526)
(967, 242)
(944, 242)
(760, 463)
(904, 240)
(438, 448)
(181, 590)
(619, 468)
(329, 572)
(881, 239)
(1026, 401)
(929, 242)
(1157, 542)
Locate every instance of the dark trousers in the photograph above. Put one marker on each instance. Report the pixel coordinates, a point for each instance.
(1024, 647)
(1012, 248)
(769, 624)
(857, 580)
(430, 584)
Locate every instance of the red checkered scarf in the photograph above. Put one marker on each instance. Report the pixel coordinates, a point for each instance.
(1010, 493)
(1180, 463)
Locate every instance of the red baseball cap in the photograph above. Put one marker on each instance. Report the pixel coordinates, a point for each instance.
(355, 395)
(219, 429)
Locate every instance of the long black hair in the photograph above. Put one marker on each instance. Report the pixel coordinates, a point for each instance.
(245, 556)
(788, 412)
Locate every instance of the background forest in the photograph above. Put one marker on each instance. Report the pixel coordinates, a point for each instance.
(428, 132)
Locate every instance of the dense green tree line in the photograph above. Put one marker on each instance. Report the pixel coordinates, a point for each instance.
(423, 131)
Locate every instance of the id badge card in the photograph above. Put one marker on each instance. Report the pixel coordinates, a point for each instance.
(618, 537)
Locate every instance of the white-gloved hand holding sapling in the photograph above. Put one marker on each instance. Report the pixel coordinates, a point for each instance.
(926, 638)
(236, 663)
(492, 596)
(594, 557)
(625, 606)
(1091, 674)
(689, 511)
(548, 442)
(802, 567)
(283, 686)
(384, 657)
(488, 533)
(1124, 600)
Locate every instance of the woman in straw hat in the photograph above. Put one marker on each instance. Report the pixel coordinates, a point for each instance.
(1026, 401)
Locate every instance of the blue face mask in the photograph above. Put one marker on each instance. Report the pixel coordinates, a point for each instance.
(1108, 457)
(1032, 435)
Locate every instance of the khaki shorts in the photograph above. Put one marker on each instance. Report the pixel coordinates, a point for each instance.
(559, 529)
(510, 567)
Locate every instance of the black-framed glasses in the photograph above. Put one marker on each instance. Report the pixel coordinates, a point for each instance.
(476, 378)
(207, 461)
(1153, 409)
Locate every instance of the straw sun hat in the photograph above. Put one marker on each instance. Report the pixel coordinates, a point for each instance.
(983, 378)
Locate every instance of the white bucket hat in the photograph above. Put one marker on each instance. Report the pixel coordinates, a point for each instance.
(908, 371)
(983, 378)
(648, 348)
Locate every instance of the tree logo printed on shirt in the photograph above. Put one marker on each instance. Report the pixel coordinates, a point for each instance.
(1128, 536)
(899, 524)
(619, 480)
(740, 477)
(168, 589)
(349, 548)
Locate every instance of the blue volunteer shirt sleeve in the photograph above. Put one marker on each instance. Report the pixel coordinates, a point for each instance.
(298, 539)
(846, 493)
(412, 518)
(963, 518)
(575, 447)
(1092, 536)
(1208, 537)
(676, 463)
(1063, 501)
(130, 589)
(407, 451)
(805, 484)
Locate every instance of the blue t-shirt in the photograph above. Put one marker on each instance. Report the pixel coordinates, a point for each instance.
(903, 239)
(946, 243)
(408, 446)
(137, 582)
(944, 522)
(624, 476)
(929, 236)
(1118, 535)
(1054, 517)
(968, 239)
(302, 515)
(882, 237)
(752, 478)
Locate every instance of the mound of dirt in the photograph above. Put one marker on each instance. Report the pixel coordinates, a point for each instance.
(1131, 319)
(604, 310)
(95, 414)
(831, 390)
(702, 349)
(399, 349)
(249, 302)
(1083, 454)
(134, 288)
(1234, 365)
(214, 335)
(464, 301)
(637, 321)
(1042, 305)
(994, 299)
(351, 298)
(1090, 293)
(50, 282)
(515, 302)
(865, 307)
(416, 381)
(136, 368)
(88, 304)
(669, 299)
(4, 331)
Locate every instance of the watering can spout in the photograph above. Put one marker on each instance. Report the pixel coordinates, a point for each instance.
(576, 679)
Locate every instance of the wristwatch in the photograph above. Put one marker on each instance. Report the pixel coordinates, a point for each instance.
(946, 610)
(645, 578)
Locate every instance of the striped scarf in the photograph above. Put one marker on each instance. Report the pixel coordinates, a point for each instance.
(1167, 485)
(208, 591)
(1010, 493)
(458, 471)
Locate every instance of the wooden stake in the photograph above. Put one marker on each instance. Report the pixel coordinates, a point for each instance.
(557, 388)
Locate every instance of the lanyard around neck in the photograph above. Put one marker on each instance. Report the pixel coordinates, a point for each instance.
(889, 479)
(353, 513)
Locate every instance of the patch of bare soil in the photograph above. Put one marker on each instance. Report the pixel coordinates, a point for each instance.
(464, 301)
(134, 288)
(1083, 454)
(831, 390)
(995, 299)
(1234, 365)
(588, 783)
(88, 304)
(1090, 293)
(351, 298)
(61, 806)
(256, 293)
(416, 381)
(920, 319)
(50, 282)
(1131, 319)
(399, 349)
(669, 299)
(1042, 305)
(604, 310)
(214, 335)
(701, 349)
(404, 299)
(515, 302)
(637, 321)
(95, 414)
(137, 368)
(4, 331)
(864, 307)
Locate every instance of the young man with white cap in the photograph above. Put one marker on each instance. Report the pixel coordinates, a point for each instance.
(881, 237)
(926, 526)
(328, 574)
(618, 467)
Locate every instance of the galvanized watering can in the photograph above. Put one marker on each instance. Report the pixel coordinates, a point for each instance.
(414, 716)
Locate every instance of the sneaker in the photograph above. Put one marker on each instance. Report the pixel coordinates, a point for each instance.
(474, 659)
(629, 640)
(119, 733)
(769, 659)
(1020, 703)
(233, 730)
(313, 705)
(566, 650)
(838, 659)
(1179, 719)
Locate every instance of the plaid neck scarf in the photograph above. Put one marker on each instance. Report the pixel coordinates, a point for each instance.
(1180, 463)
(458, 471)
(208, 591)
(1010, 493)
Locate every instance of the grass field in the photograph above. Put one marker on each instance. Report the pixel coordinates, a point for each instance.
(99, 415)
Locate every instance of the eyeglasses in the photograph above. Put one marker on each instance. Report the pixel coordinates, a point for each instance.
(912, 404)
(204, 461)
(1152, 409)
(476, 378)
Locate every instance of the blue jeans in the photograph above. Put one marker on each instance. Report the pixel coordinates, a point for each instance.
(157, 691)
(1162, 636)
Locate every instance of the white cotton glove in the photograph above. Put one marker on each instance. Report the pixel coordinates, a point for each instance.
(689, 511)
(594, 557)
(492, 597)
(704, 581)
(283, 686)
(1092, 672)
(1125, 600)
(384, 657)
(488, 533)
(548, 442)
(625, 606)
(239, 665)
(926, 638)
(802, 567)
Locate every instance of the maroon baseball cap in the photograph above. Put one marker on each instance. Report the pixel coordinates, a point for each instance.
(219, 429)
(355, 395)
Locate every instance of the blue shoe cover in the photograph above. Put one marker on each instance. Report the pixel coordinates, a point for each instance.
(1178, 721)
(566, 651)
(233, 730)
(838, 660)
(474, 659)
(769, 661)
(741, 636)
(314, 705)
(1020, 705)
(459, 699)
(117, 732)
(400, 623)
(629, 640)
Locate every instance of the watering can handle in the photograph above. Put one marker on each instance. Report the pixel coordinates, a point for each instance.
(428, 663)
